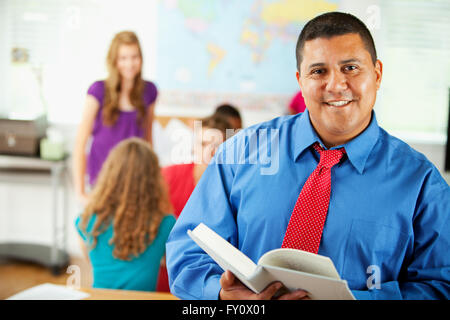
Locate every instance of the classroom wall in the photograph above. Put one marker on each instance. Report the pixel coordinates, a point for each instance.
(25, 204)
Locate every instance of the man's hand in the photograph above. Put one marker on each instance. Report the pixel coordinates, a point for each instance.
(233, 289)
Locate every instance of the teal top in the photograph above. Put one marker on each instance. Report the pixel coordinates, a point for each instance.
(140, 273)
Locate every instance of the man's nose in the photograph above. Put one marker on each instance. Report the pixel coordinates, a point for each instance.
(336, 82)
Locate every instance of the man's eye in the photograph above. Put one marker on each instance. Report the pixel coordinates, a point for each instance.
(318, 71)
(350, 68)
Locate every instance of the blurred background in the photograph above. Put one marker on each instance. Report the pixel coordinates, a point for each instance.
(199, 53)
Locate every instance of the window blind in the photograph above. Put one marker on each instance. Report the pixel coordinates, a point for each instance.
(416, 55)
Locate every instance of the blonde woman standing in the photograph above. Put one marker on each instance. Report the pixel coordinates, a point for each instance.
(117, 108)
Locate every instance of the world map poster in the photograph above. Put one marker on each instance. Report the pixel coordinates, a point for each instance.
(242, 52)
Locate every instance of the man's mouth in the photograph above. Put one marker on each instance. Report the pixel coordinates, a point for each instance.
(338, 103)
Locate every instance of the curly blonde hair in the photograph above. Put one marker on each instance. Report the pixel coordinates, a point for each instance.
(130, 193)
(112, 83)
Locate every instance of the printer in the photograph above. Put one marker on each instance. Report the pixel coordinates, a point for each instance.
(22, 137)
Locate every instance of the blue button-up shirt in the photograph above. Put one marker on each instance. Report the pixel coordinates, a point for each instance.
(387, 229)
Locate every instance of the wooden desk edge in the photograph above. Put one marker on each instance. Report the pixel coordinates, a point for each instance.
(109, 294)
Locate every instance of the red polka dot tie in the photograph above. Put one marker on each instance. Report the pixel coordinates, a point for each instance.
(305, 227)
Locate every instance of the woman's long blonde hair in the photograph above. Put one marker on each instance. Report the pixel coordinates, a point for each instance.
(113, 82)
(130, 194)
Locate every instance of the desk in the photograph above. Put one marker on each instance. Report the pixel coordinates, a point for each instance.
(108, 294)
(18, 168)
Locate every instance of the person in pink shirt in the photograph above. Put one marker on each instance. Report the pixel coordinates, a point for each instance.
(297, 104)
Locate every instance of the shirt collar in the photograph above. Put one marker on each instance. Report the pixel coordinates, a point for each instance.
(304, 134)
(358, 149)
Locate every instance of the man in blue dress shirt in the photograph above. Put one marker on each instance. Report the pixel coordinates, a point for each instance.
(387, 228)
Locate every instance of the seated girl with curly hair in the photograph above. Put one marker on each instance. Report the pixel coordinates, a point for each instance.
(125, 224)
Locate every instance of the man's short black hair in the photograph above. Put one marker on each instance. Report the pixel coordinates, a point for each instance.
(333, 24)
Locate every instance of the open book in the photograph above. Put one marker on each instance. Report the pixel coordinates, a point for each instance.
(296, 269)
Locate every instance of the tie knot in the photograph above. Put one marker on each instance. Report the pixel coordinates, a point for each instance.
(328, 158)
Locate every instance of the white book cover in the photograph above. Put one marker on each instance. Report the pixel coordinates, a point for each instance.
(296, 269)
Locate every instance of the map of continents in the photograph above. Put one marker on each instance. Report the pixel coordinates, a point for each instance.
(232, 46)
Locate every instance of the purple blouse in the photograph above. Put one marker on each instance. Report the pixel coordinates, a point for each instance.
(106, 137)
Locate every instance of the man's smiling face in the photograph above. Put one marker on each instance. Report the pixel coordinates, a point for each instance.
(339, 83)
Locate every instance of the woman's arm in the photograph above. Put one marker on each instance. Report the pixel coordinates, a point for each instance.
(84, 249)
(149, 123)
(91, 108)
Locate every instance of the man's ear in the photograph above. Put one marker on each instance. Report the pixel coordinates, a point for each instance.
(297, 74)
(378, 72)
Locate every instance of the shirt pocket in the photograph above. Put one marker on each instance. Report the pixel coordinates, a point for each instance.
(373, 250)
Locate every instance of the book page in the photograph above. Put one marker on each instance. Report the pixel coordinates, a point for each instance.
(224, 253)
(300, 261)
(317, 286)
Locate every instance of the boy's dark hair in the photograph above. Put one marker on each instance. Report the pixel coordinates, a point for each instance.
(227, 110)
(217, 122)
(333, 24)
